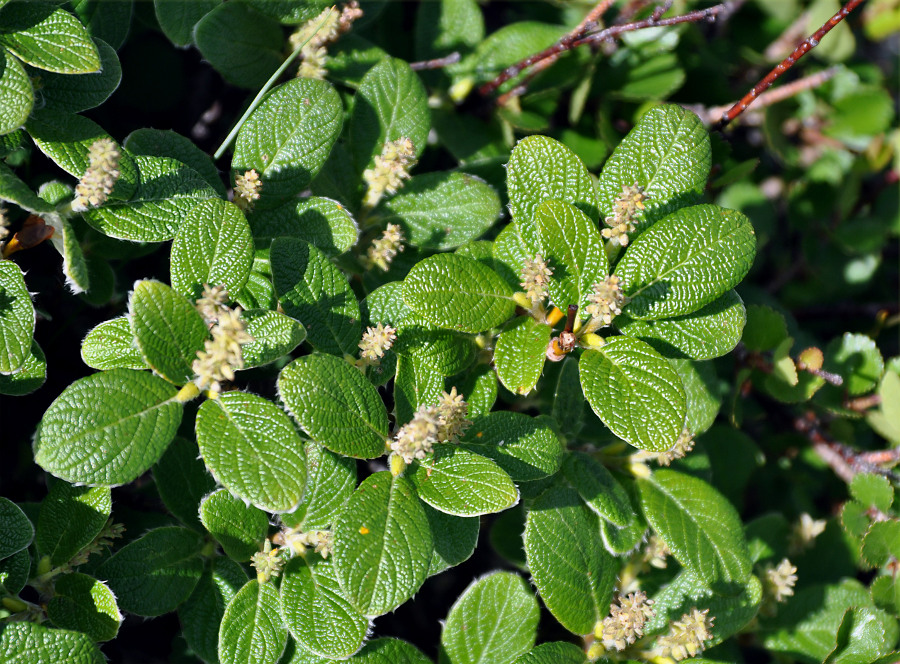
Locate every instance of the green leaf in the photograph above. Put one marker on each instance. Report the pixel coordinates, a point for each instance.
(623, 541)
(863, 637)
(322, 222)
(382, 544)
(667, 154)
(316, 611)
(315, 292)
(30, 643)
(390, 104)
(177, 19)
(243, 45)
(856, 358)
(75, 266)
(494, 620)
(288, 137)
(556, 652)
(154, 574)
(686, 591)
(165, 143)
(520, 352)
(872, 489)
(59, 43)
(182, 480)
(568, 399)
(70, 518)
(16, 94)
(213, 246)
(881, 543)
(107, 428)
(458, 293)
(458, 482)
(168, 329)
(526, 447)
(416, 384)
(252, 628)
(16, 318)
(84, 604)
(686, 261)
(66, 139)
(709, 332)
(509, 254)
(573, 573)
(14, 572)
(335, 405)
(390, 651)
(442, 210)
(330, 481)
(454, 537)
(479, 387)
(251, 447)
(509, 45)
(385, 305)
(567, 239)
(636, 393)
(201, 613)
(238, 527)
(541, 168)
(169, 190)
(274, 335)
(444, 351)
(700, 527)
(17, 530)
(109, 22)
(73, 94)
(447, 26)
(111, 345)
(702, 392)
(598, 488)
(14, 190)
(259, 291)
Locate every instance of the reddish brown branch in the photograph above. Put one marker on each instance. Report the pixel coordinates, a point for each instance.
(805, 47)
(437, 63)
(843, 460)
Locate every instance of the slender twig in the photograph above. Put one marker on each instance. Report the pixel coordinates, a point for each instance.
(590, 22)
(708, 14)
(805, 47)
(436, 63)
(844, 460)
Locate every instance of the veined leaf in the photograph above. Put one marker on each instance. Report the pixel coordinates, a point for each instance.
(382, 544)
(16, 94)
(30, 643)
(251, 447)
(59, 43)
(238, 527)
(700, 527)
(165, 143)
(28, 377)
(107, 428)
(598, 488)
(84, 604)
(330, 481)
(77, 93)
(201, 614)
(182, 481)
(520, 352)
(322, 222)
(686, 261)
(70, 518)
(252, 629)
(636, 393)
(111, 345)
(454, 538)
(274, 335)
(17, 531)
(526, 447)
(16, 318)
(416, 384)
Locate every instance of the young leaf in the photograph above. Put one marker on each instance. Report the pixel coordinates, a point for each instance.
(252, 629)
(520, 352)
(322, 222)
(17, 530)
(700, 527)
(70, 518)
(667, 154)
(442, 210)
(182, 480)
(494, 620)
(709, 332)
(238, 527)
(111, 345)
(30, 643)
(525, 447)
(636, 393)
(686, 261)
(59, 44)
(567, 239)
(573, 573)
(416, 384)
(107, 428)
(598, 488)
(286, 140)
(390, 104)
(541, 168)
(458, 482)
(335, 405)
(382, 544)
(316, 611)
(213, 246)
(16, 94)
(458, 293)
(168, 329)
(454, 537)
(252, 448)
(154, 574)
(16, 318)
(201, 613)
(312, 290)
(84, 604)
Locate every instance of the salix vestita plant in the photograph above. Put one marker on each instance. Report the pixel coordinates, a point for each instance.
(419, 361)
